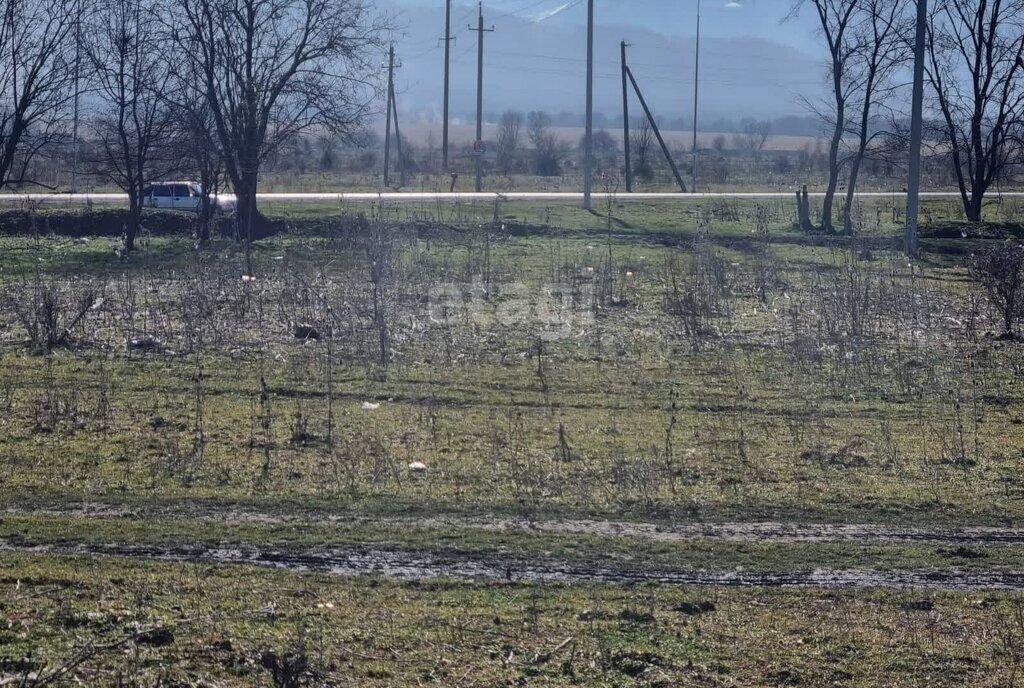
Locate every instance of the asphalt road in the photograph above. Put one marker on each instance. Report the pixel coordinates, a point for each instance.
(431, 196)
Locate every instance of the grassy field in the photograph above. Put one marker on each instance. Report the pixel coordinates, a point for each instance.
(468, 390)
(570, 373)
(172, 624)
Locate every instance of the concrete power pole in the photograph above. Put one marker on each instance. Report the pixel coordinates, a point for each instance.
(588, 145)
(696, 92)
(625, 122)
(478, 145)
(916, 132)
(392, 115)
(447, 68)
(78, 74)
(398, 133)
(387, 125)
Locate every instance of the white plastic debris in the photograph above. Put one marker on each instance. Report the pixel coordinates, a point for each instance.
(417, 467)
(370, 406)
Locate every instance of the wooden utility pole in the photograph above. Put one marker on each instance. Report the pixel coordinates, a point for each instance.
(696, 91)
(478, 145)
(916, 132)
(657, 131)
(625, 122)
(447, 68)
(588, 144)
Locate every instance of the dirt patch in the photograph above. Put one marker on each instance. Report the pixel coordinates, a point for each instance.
(368, 561)
(767, 531)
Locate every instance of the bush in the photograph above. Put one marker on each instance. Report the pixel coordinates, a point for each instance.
(92, 222)
(1000, 272)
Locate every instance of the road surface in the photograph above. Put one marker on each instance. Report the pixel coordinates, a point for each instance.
(434, 197)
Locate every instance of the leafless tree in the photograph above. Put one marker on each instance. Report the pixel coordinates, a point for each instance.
(509, 130)
(606, 150)
(37, 75)
(754, 136)
(195, 129)
(131, 74)
(836, 20)
(974, 65)
(880, 28)
(641, 138)
(1000, 272)
(272, 69)
(547, 154)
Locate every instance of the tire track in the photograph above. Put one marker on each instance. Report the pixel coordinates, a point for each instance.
(403, 564)
(767, 531)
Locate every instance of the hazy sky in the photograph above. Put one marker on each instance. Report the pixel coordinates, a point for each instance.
(753, 63)
(721, 18)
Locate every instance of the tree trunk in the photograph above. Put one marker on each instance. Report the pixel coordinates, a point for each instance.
(206, 204)
(972, 208)
(249, 219)
(131, 223)
(833, 172)
(851, 190)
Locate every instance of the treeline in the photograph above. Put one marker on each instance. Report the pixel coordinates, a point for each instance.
(214, 88)
(973, 65)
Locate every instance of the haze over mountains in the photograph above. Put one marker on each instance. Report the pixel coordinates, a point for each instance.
(752, 63)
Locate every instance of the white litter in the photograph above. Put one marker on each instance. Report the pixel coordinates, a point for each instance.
(370, 406)
(417, 467)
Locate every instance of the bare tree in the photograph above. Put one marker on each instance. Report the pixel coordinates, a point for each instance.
(199, 141)
(974, 65)
(131, 74)
(836, 19)
(606, 150)
(509, 129)
(547, 154)
(880, 28)
(754, 136)
(641, 137)
(272, 69)
(37, 57)
(1000, 272)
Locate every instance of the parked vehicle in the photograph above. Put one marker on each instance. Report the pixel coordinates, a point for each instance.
(173, 196)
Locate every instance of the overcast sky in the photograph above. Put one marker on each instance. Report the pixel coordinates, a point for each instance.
(753, 64)
(721, 18)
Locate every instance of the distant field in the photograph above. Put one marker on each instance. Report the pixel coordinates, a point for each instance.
(462, 134)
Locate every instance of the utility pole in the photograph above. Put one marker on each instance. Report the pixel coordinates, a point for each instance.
(392, 116)
(625, 122)
(588, 144)
(74, 125)
(387, 123)
(696, 91)
(657, 131)
(916, 133)
(447, 67)
(478, 145)
(398, 134)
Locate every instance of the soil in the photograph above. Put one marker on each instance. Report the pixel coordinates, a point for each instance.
(369, 561)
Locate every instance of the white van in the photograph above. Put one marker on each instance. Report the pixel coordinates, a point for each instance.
(173, 195)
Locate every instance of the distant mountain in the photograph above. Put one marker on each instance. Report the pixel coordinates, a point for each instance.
(540, 65)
